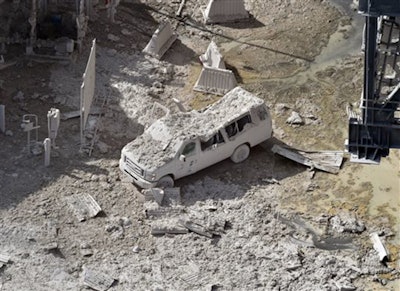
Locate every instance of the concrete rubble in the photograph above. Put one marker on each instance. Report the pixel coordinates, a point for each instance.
(214, 77)
(266, 224)
(83, 206)
(161, 41)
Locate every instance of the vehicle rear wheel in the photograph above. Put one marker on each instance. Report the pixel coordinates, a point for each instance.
(166, 182)
(240, 154)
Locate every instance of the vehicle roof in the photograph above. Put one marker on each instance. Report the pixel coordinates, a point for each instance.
(231, 106)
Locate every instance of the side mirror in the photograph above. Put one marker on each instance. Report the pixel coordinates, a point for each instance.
(182, 158)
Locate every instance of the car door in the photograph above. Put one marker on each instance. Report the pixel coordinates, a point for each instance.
(188, 158)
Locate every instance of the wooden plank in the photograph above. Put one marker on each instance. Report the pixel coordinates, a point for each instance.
(328, 161)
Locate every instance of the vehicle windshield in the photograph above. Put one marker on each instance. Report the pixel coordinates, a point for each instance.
(158, 131)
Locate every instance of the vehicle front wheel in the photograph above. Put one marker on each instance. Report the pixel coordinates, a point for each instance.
(166, 182)
(240, 154)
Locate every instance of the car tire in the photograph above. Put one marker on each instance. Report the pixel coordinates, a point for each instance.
(166, 182)
(240, 154)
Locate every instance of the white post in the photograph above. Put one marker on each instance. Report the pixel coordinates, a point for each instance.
(47, 149)
(53, 120)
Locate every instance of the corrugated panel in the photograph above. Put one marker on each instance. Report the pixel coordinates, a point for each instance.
(217, 81)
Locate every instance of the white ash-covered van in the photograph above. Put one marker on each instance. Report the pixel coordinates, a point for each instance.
(181, 144)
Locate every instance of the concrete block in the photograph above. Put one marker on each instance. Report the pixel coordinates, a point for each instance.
(212, 57)
(161, 41)
(220, 11)
(3, 118)
(214, 80)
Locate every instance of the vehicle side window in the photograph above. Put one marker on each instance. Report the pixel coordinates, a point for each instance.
(262, 113)
(189, 149)
(231, 129)
(243, 121)
(214, 140)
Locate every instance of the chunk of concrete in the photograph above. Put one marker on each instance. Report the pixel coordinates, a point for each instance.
(220, 11)
(216, 81)
(161, 41)
(212, 57)
(83, 206)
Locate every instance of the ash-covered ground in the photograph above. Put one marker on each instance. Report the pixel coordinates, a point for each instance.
(266, 224)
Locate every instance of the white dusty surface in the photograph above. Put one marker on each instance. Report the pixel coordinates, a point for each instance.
(275, 225)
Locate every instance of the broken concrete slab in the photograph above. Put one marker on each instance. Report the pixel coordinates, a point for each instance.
(97, 280)
(216, 81)
(220, 11)
(161, 41)
(83, 206)
(153, 210)
(328, 161)
(212, 57)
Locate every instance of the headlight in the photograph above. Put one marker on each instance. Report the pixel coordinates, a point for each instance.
(149, 176)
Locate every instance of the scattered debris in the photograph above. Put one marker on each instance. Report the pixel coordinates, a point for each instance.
(86, 250)
(97, 280)
(220, 11)
(328, 161)
(161, 41)
(168, 227)
(196, 228)
(163, 197)
(83, 206)
(295, 119)
(179, 12)
(4, 259)
(379, 247)
(346, 222)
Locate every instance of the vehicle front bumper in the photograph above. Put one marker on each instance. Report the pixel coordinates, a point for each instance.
(135, 179)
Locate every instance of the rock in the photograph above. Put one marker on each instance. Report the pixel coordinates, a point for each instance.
(295, 119)
(113, 37)
(126, 32)
(136, 249)
(9, 133)
(19, 97)
(281, 108)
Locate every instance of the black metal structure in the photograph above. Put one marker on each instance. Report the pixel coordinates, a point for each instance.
(372, 134)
